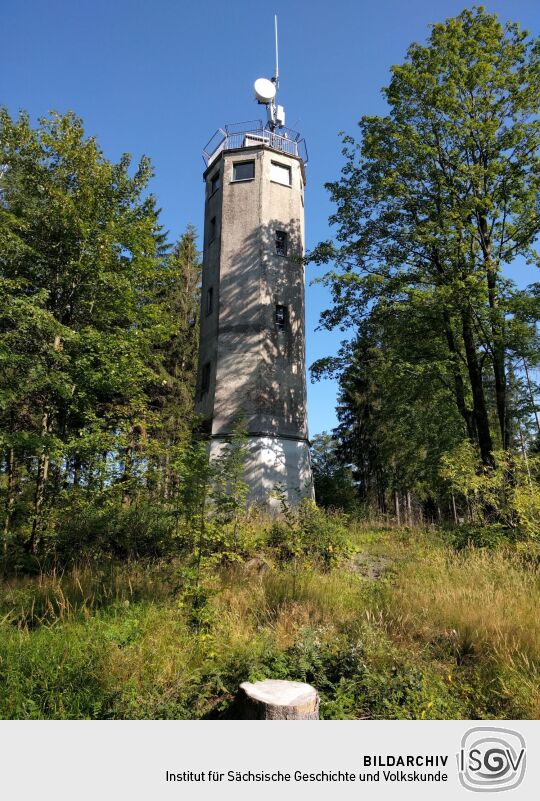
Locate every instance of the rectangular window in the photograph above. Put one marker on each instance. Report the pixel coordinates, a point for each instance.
(280, 173)
(212, 232)
(281, 243)
(215, 183)
(243, 171)
(282, 317)
(205, 379)
(209, 301)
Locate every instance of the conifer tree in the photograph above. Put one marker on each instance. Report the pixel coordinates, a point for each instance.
(80, 316)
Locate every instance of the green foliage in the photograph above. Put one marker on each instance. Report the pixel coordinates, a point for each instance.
(397, 416)
(55, 674)
(333, 481)
(508, 491)
(308, 532)
(471, 535)
(525, 500)
(98, 329)
(137, 531)
(144, 586)
(435, 199)
(212, 497)
(230, 493)
(439, 635)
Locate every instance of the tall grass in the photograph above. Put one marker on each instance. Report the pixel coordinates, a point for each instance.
(55, 597)
(484, 601)
(438, 634)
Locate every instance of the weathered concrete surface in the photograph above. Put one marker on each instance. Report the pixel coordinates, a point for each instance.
(274, 464)
(257, 371)
(274, 699)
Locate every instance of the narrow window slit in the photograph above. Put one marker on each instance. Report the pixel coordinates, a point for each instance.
(282, 317)
(281, 243)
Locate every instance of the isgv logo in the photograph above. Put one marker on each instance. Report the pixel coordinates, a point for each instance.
(491, 760)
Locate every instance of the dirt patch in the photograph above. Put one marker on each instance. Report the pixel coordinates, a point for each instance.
(369, 566)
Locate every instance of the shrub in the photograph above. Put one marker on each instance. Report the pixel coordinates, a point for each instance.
(122, 532)
(508, 493)
(470, 535)
(309, 532)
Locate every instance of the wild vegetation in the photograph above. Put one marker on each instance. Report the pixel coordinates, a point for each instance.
(407, 627)
(136, 582)
(435, 200)
(98, 334)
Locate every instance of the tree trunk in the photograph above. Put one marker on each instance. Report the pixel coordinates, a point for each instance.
(166, 475)
(273, 699)
(396, 508)
(381, 491)
(531, 395)
(77, 472)
(499, 373)
(525, 457)
(41, 483)
(409, 509)
(454, 510)
(128, 471)
(497, 345)
(459, 385)
(479, 400)
(126, 477)
(10, 498)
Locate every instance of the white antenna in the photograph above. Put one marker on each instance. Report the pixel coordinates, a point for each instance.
(265, 92)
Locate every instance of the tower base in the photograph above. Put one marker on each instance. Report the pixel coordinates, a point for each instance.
(275, 468)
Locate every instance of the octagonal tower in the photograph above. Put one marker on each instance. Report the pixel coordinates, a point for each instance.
(252, 341)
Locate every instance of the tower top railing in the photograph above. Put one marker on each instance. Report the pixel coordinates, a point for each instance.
(252, 134)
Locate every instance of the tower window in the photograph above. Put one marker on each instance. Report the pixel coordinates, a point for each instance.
(209, 301)
(205, 379)
(215, 183)
(243, 171)
(280, 173)
(282, 317)
(212, 234)
(281, 243)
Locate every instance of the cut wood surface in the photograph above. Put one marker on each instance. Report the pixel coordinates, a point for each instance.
(274, 699)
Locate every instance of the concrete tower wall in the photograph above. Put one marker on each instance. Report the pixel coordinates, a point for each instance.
(251, 366)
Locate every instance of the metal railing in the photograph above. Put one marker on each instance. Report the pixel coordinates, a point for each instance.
(252, 134)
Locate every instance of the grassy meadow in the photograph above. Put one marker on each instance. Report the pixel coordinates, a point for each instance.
(404, 625)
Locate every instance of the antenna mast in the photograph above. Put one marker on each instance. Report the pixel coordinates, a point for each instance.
(265, 91)
(276, 76)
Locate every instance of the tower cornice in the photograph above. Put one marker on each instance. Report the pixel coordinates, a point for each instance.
(255, 149)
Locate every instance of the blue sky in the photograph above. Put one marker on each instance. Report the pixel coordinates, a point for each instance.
(159, 77)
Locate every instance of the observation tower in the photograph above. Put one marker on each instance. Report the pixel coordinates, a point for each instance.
(252, 339)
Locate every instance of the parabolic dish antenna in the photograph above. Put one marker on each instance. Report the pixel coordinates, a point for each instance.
(265, 90)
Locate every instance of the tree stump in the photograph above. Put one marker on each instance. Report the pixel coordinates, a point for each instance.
(273, 699)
